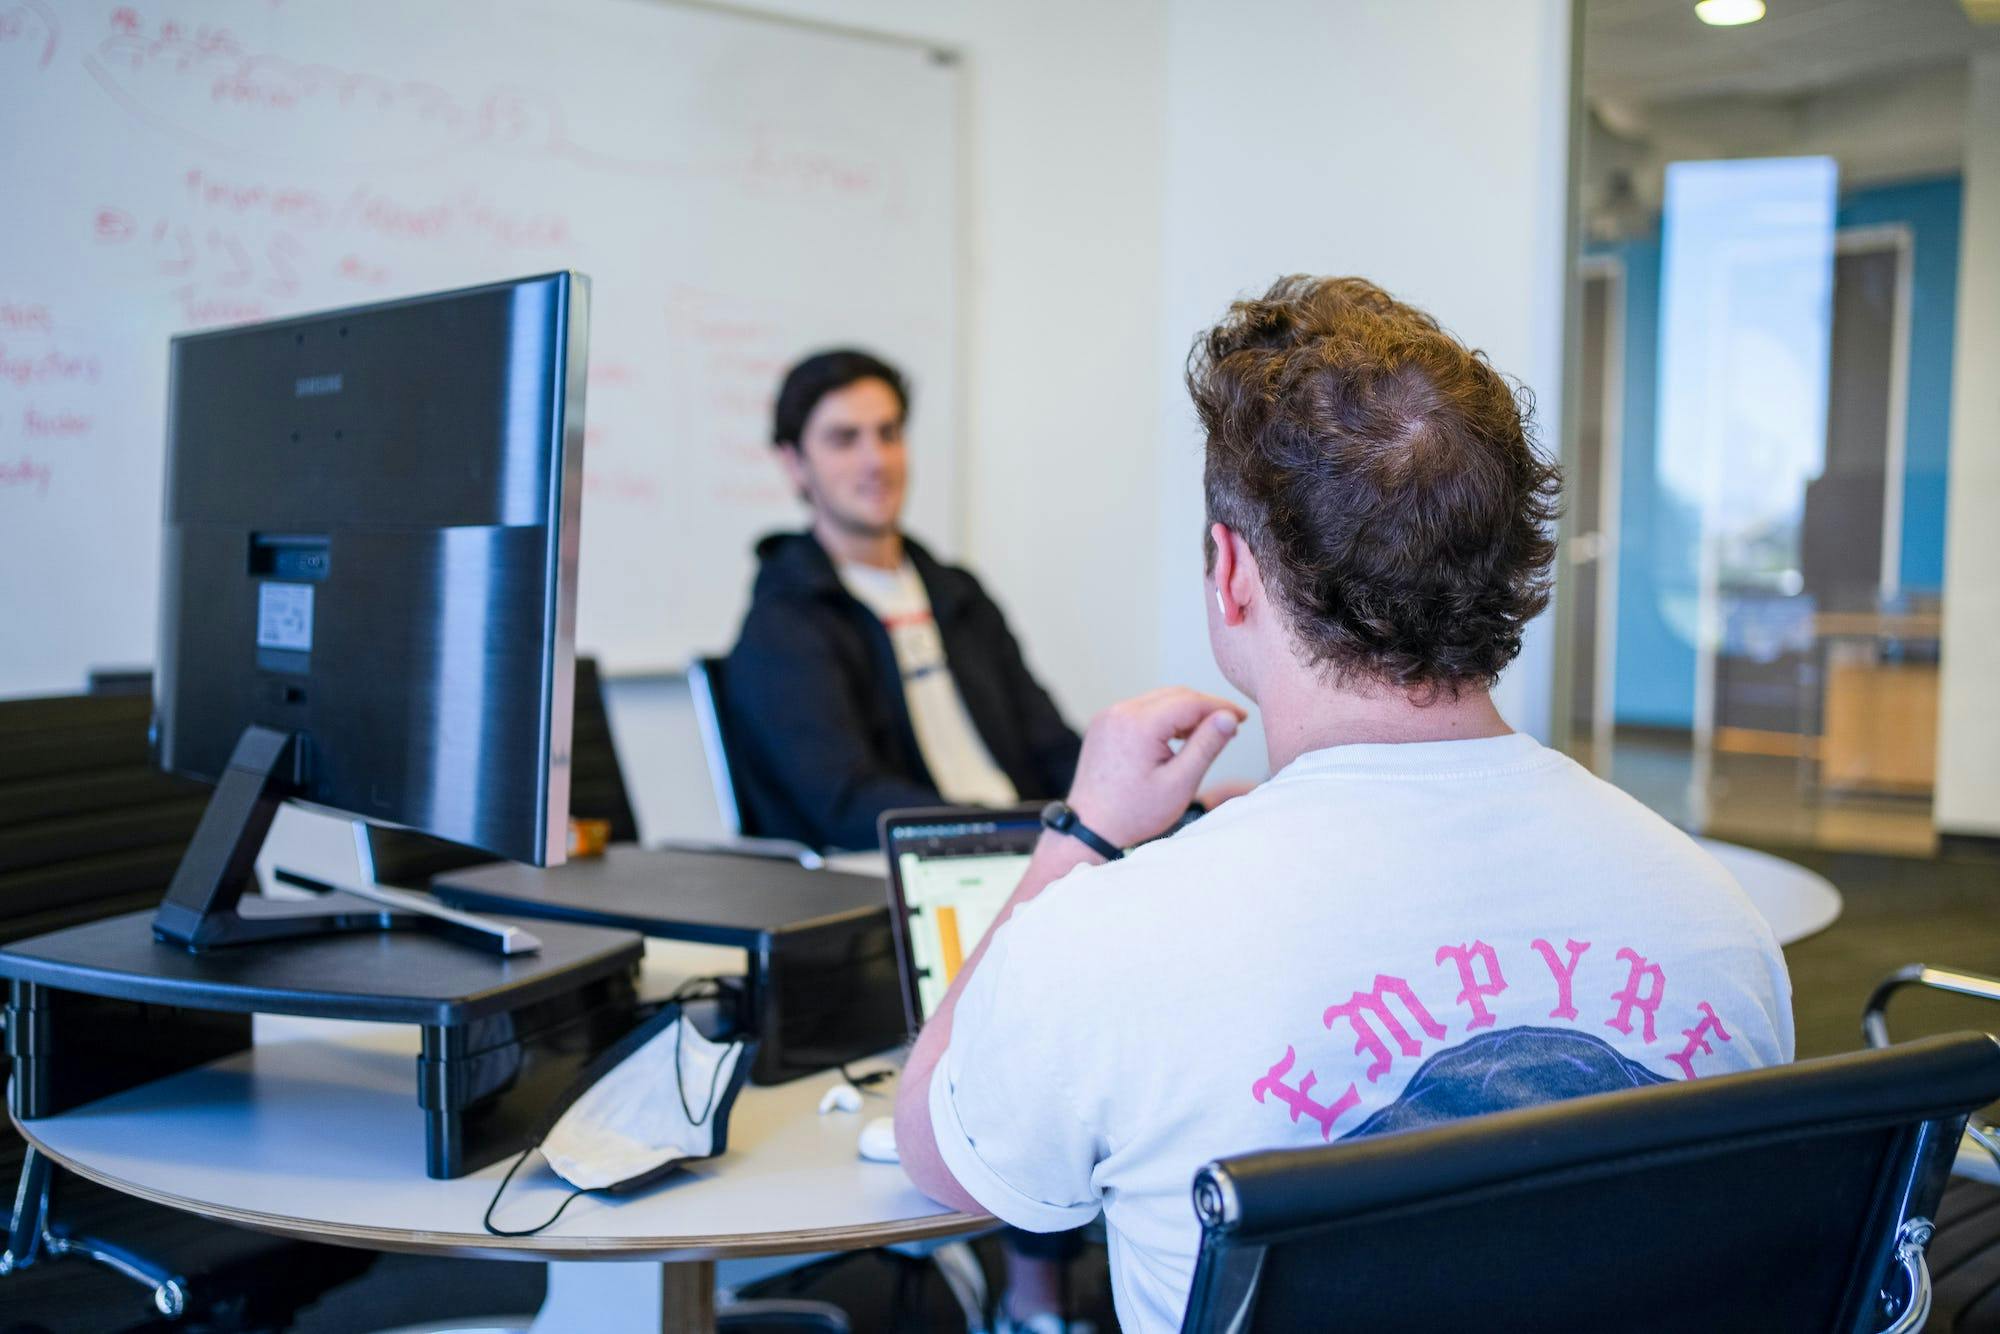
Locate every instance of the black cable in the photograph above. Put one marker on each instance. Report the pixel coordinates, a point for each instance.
(866, 1082)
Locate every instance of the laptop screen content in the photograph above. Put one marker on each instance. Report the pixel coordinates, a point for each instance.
(950, 873)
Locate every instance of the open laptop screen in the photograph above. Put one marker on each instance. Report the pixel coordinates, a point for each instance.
(950, 872)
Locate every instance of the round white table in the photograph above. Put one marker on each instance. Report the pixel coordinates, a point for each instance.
(314, 1133)
(1796, 902)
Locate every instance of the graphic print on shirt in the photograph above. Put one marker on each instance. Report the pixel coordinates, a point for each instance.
(919, 648)
(1450, 1075)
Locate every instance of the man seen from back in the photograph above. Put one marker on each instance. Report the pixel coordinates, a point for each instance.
(1421, 915)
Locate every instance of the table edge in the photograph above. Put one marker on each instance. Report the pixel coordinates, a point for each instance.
(481, 1245)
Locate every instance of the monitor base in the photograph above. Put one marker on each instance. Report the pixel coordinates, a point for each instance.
(204, 905)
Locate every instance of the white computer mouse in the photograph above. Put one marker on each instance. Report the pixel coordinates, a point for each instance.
(878, 1141)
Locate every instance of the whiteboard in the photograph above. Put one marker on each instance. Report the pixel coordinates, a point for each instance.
(739, 190)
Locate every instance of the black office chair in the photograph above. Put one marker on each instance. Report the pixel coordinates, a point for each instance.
(1796, 1198)
(88, 829)
(729, 773)
(596, 792)
(708, 684)
(1965, 1255)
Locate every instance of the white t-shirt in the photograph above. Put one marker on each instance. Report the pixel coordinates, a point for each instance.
(1379, 937)
(953, 750)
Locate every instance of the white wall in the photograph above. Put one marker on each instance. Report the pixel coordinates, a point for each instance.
(1422, 145)
(1131, 166)
(1062, 149)
(1968, 785)
(1062, 146)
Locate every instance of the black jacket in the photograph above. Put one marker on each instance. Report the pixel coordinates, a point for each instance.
(816, 703)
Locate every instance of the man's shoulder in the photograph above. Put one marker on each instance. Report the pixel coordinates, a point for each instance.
(1598, 804)
(791, 565)
(796, 595)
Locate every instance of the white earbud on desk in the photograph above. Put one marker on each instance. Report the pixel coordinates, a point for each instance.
(844, 1097)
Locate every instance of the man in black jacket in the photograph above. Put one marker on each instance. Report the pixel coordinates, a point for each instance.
(869, 675)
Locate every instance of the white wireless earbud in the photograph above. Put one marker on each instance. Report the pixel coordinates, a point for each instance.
(1221, 606)
(844, 1097)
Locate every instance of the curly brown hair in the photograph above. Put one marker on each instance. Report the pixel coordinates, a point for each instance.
(1385, 477)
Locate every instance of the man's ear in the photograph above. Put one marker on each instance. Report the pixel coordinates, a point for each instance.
(792, 460)
(1233, 572)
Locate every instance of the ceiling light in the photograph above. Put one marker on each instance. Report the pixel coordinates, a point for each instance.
(1728, 13)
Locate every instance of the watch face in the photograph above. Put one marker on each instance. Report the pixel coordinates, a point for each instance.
(1058, 816)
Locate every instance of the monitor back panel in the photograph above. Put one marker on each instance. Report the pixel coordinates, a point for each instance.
(370, 541)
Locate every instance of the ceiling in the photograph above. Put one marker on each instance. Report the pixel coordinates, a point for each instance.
(1643, 53)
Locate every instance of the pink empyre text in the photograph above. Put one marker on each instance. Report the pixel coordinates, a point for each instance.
(1390, 1023)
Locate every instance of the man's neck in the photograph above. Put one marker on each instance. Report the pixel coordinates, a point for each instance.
(884, 551)
(1303, 713)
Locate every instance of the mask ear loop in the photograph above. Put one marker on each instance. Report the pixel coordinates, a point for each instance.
(494, 1203)
(680, 1082)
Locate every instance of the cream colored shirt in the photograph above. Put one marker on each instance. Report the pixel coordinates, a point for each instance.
(953, 750)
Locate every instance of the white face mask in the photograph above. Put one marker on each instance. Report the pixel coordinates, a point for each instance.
(659, 1097)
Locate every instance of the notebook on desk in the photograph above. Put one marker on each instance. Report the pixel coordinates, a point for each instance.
(951, 870)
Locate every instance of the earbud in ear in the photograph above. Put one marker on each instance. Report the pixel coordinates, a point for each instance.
(1221, 606)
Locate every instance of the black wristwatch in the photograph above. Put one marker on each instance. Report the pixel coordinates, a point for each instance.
(1058, 816)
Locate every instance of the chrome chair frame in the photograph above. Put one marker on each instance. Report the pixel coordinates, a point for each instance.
(1875, 1023)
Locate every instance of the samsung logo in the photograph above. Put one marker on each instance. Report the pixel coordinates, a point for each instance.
(316, 386)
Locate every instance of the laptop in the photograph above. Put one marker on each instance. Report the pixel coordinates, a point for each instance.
(951, 870)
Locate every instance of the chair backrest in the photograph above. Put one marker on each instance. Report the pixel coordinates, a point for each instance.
(88, 826)
(708, 687)
(1768, 1201)
(596, 792)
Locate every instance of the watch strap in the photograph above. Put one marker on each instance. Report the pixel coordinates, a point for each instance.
(1058, 816)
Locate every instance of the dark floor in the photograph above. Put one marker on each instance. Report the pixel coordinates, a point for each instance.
(1898, 910)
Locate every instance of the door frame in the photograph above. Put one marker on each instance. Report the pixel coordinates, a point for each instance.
(1610, 504)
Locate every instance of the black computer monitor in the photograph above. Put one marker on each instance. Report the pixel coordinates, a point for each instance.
(368, 587)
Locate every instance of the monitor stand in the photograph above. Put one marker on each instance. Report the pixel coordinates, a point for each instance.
(203, 908)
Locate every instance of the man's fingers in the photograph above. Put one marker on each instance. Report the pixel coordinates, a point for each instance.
(1203, 744)
(1176, 711)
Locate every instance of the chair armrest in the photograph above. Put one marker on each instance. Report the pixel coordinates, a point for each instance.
(1874, 1017)
(1875, 1029)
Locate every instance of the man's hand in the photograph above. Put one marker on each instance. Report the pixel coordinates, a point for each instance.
(1131, 783)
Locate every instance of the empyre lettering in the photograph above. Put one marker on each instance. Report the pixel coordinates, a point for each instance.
(1389, 1021)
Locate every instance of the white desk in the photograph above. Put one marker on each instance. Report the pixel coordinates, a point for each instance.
(315, 1133)
(1796, 902)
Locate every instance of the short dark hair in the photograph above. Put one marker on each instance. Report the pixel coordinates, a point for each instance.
(825, 373)
(1385, 477)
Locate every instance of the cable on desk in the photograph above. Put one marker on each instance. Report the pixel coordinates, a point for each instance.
(866, 1081)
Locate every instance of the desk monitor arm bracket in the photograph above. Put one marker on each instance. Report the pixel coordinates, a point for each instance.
(202, 909)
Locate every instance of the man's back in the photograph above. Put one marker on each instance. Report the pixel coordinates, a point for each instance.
(1422, 916)
(1378, 938)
